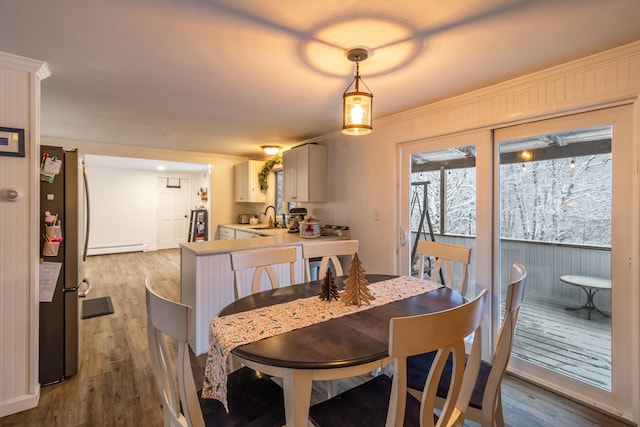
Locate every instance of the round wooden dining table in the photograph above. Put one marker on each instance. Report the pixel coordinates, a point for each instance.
(338, 348)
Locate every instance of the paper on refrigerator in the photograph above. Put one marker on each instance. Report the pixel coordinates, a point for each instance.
(49, 273)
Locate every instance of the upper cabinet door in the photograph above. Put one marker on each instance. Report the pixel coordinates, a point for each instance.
(247, 186)
(305, 173)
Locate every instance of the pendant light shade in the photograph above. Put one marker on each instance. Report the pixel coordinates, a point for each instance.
(357, 100)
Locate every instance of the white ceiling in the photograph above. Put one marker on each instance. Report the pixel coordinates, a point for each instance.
(226, 76)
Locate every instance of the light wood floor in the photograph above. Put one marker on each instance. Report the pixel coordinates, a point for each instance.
(115, 386)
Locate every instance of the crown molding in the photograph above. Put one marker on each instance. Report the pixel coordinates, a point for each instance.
(39, 68)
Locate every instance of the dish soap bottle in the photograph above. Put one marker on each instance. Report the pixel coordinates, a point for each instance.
(270, 221)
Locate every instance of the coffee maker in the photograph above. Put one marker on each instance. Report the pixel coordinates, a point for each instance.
(297, 215)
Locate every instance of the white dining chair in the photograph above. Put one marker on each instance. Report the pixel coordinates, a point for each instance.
(328, 253)
(445, 255)
(485, 403)
(253, 398)
(262, 260)
(384, 399)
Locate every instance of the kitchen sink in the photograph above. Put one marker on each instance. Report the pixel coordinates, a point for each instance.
(264, 227)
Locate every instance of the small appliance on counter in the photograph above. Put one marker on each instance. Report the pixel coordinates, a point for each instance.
(297, 216)
(310, 228)
(245, 218)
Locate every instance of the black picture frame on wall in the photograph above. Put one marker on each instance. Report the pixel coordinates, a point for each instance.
(11, 142)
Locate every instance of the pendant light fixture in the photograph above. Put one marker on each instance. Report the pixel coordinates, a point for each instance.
(356, 102)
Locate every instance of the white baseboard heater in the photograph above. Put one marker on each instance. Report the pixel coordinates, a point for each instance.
(118, 249)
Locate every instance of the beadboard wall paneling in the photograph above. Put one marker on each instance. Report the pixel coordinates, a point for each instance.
(207, 285)
(15, 244)
(361, 197)
(19, 244)
(362, 170)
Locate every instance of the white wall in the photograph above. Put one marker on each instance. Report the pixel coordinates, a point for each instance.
(124, 206)
(20, 236)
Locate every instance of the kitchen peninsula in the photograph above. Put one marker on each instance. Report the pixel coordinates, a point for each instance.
(206, 277)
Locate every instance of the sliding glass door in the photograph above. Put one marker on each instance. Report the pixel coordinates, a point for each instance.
(441, 180)
(561, 197)
(563, 210)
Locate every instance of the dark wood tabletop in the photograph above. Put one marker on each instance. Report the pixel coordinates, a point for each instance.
(350, 340)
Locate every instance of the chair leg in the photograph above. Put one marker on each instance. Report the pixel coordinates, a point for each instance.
(498, 415)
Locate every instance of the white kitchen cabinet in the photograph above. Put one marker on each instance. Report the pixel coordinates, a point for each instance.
(226, 233)
(241, 234)
(305, 173)
(247, 186)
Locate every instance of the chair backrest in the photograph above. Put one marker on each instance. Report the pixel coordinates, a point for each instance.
(173, 375)
(515, 295)
(262, 260)
(328, 251)
(445, 254)
(445, 332)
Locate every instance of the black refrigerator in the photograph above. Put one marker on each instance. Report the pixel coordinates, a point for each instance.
(64, 225)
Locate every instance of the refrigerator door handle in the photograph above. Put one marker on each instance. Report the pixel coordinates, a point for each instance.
(84, 293)
(87, 215)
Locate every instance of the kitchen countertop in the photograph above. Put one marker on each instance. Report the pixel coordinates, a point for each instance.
(271, 231)
(269, 237)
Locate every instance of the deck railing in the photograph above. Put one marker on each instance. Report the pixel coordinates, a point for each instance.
(545, 263)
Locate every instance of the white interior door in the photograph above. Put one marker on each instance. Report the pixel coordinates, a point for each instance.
(173, 211)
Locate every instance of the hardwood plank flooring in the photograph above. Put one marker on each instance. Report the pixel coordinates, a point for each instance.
(115, 385)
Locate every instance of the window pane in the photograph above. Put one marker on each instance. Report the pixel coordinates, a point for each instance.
(555, 219)
(460, 201)
(443, 206)
(279, 210)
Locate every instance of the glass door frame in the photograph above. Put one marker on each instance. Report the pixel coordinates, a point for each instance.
(482, 140)
(624, 256)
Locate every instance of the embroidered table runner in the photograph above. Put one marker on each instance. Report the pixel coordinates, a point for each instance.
(234, 330)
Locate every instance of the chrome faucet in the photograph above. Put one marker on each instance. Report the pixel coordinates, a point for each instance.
(274, 214)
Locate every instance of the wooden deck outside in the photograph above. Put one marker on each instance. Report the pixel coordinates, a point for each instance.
(565, 341)
(547, 334)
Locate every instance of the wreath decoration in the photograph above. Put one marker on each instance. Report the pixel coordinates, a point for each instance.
(264, 173)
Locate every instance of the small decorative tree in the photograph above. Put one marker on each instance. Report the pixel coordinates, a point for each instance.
(356, 286)
(329, 289)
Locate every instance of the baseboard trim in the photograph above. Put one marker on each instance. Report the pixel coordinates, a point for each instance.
(19, 404)
(104, 250)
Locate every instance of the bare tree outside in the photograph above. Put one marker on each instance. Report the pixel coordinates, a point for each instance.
(558, 200)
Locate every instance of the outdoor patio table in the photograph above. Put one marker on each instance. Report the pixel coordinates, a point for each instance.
(591, 286)
(341, 347)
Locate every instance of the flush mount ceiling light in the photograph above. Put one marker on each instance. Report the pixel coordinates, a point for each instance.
(271, 149)
(356, 103)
